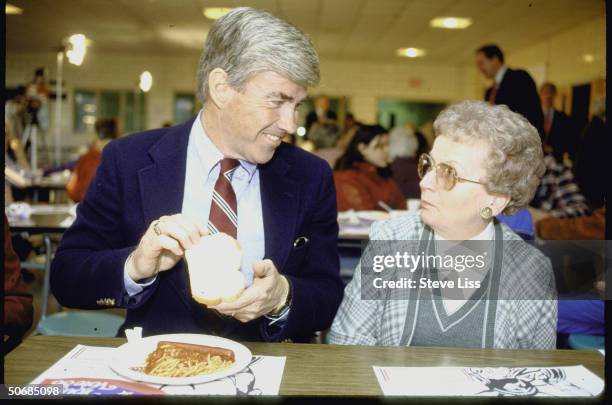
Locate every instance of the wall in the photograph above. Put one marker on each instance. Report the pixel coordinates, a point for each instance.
(362, 82)
(365, 82)
(171, 74)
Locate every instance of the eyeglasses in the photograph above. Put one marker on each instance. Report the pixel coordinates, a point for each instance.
(446, 175)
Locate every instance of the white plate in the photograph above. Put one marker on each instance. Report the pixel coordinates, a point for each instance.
(130, 355)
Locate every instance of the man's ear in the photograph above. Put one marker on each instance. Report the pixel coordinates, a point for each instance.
(219, 90)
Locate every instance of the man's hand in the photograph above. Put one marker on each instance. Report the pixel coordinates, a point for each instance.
(163, 245)
(267, 294)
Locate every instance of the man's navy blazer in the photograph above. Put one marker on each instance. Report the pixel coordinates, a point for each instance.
(142, 177)
(519, 92)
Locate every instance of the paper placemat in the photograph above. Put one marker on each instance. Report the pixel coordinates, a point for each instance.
(85, 371)
(572, 381)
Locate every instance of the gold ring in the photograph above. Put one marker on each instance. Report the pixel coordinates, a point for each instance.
(158, 231)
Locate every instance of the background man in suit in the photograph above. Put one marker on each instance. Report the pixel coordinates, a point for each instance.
(515, 88)
(157, 193)
(560, 133)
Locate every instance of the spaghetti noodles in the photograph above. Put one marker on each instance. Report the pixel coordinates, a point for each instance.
(172, 359)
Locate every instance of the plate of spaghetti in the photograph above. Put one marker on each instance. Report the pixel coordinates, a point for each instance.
(180, 359)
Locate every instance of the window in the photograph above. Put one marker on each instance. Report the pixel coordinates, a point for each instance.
(127, 106)
(134, 112)
(184, 107)
(85, 110)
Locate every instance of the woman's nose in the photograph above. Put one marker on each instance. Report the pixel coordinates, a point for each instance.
(428, 181)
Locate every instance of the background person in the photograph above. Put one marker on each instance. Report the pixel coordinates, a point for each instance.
(514, 88)
(362, 173)
(85, 168)
(403, 146)
(561, 137)
(485, 160)
(18, 310)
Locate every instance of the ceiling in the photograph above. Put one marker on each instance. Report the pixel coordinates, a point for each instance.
(340, 29)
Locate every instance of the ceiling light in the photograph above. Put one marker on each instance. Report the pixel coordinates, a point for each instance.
(453, 23)
(146, 81)
(214, 13)
(410, 52)
(76, 48)
(588, 58)
(9, 9)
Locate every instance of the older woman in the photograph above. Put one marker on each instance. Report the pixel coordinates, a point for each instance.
(485, 160)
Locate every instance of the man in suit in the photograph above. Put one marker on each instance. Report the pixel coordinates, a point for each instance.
(515, 88)
(560, 133)
(158, 193)
(321, 113)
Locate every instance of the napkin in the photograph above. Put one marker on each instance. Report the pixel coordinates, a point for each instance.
(85, 371)
(572, 381)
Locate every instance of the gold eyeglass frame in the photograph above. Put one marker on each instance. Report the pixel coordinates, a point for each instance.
(453, 172)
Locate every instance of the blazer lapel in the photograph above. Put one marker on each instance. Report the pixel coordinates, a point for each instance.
(162, 187)
(279, 201)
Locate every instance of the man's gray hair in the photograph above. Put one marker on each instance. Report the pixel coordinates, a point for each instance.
(247, 41)
(402, 143)
(515, 163)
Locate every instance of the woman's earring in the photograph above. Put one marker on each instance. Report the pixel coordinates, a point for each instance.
(486, 213)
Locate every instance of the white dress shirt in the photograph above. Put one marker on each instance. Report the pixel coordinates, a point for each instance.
(499, 76)
(202, 171)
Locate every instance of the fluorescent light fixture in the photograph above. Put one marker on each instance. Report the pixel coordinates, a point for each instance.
(301, 131)
(452, 23)
(214, 13)
(10, 9)
(588, 58)
(89, 108)
(411, 52)
(89, 119)
(76, 48)
(146, 81)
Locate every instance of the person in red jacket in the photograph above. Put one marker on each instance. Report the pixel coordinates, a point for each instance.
(86, 166)
(18, 311)
(362, 175)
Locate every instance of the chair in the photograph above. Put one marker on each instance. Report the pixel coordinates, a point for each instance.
(72, 323)
(80, 323)
(520, 222)
(586, 342)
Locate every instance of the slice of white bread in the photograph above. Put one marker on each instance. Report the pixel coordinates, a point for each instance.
(213, 265)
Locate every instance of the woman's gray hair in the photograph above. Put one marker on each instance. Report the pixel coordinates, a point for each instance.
(515, 164)
(247, 41)
(402, 143)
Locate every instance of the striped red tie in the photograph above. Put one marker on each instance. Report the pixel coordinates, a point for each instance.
(223, 208)
(493, 94)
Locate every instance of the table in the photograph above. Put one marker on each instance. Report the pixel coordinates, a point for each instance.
(45, 220)
(318, 369)
(53, 183)
(40, 224)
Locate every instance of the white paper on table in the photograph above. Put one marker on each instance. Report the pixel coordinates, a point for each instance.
(52, 208)
(85, 371)
(572, 381)
(67, 222)
(602, 351)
